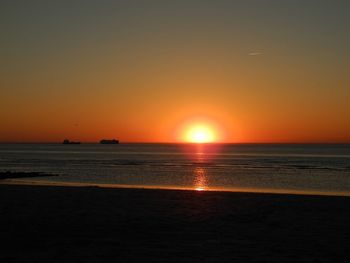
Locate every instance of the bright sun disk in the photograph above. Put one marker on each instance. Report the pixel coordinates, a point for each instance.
(200, 134)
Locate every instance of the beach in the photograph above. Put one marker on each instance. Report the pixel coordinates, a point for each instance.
(93, 224)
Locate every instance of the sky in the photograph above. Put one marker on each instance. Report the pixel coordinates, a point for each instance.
(253, 70)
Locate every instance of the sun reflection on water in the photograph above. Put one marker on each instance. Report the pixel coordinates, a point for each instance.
(200, 180)
(202, 157)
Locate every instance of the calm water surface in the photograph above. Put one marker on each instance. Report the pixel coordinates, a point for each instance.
(283, 168)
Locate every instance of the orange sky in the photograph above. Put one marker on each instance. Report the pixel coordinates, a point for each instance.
(137, 73)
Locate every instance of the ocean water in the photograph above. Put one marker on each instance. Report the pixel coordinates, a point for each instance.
(224, 167)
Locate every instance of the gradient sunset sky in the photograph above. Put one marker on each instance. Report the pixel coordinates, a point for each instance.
(258, 71)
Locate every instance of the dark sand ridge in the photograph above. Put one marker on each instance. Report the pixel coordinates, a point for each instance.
(90, 224)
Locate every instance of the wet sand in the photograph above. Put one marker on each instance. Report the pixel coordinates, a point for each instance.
(90, 224)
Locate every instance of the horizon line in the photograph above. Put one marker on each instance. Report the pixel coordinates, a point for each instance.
(142, 142)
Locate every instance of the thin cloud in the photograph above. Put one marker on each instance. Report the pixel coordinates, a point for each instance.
(255, 53)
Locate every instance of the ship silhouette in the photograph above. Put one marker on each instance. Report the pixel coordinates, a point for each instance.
(105, 141)
(66, 141)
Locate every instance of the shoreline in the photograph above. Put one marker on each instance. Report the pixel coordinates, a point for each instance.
(172, 188)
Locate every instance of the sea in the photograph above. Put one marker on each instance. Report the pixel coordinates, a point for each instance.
(271, 168)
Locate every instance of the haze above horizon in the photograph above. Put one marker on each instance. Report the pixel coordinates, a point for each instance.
(175, 71)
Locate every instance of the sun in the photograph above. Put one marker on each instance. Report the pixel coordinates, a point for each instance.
(200, 133)
(199, 129)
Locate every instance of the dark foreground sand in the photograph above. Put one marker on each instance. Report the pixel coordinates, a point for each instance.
(72, 224)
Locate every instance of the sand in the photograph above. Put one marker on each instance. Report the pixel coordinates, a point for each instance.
(90, 224)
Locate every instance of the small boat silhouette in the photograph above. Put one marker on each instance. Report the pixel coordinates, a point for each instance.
(70, 142)
(113, 141)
